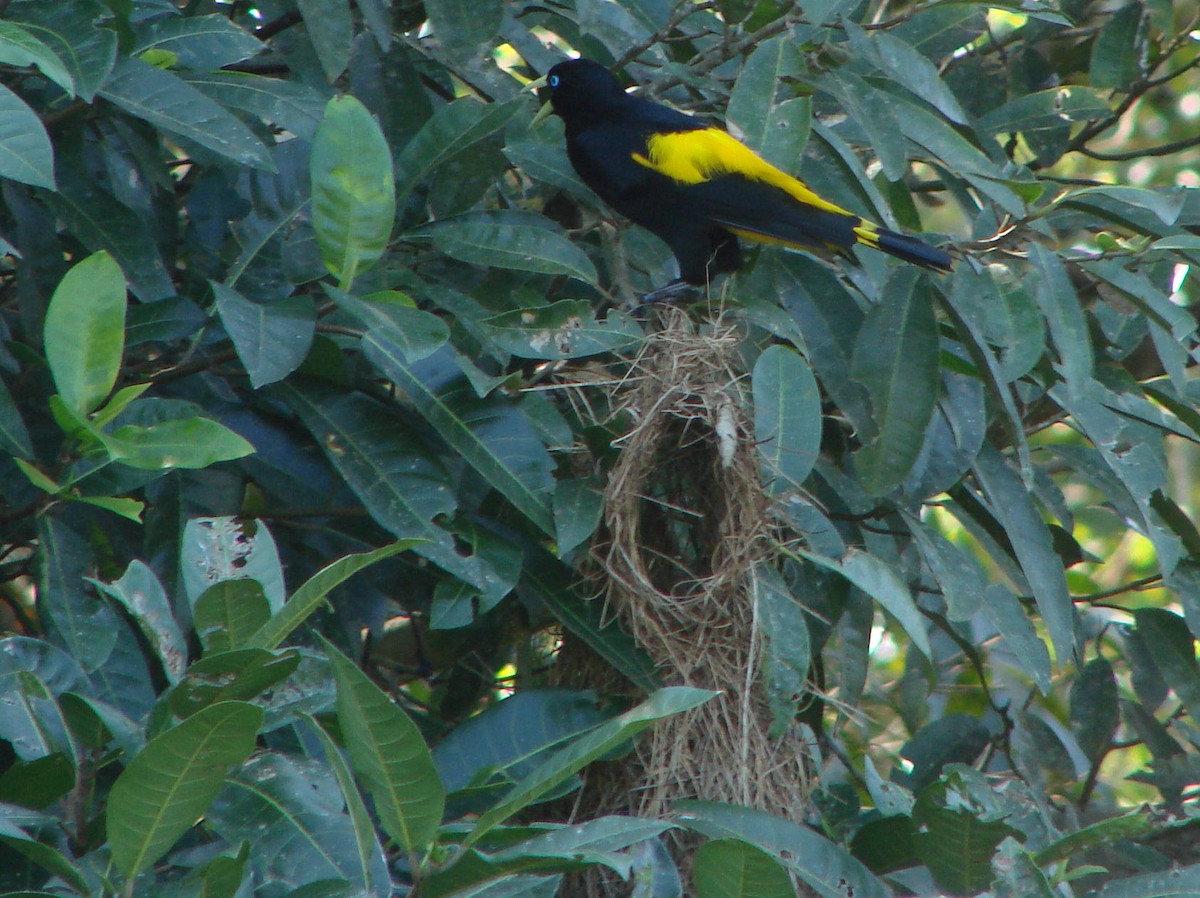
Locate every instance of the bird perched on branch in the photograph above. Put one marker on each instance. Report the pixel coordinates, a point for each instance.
(696, 187)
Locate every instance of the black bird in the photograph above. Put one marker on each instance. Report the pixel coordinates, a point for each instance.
(695, 186)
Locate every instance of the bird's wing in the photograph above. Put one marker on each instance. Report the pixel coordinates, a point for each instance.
(704, 154)
(727, 183)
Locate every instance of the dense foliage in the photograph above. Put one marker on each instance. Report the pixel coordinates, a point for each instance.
(292, 293)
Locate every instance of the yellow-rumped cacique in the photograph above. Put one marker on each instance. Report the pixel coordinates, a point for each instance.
(697, 187)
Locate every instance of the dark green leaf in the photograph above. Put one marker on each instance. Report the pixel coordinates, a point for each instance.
(172, 104)
(271, 338)
(389, 754)
(228, 613)
(787, 418)
(824, 865)
(496, 244)
(292, 812)
(241, 675)
(451, 130)
(173, 780)
(566, 329)
(1045, 109)
(306, 599)
(731, 868)
(780, 621)
(1033, 545)
(565, 763)
(144, 598)
(763, 116)
(291, 105)
(896, 359)
(72, 32)
(198, 42)
(1174, 652)
(463, 26)
(331, 30)
(394, 317)
(1119, 51)
(19, 47)
(493, 437)
(1094, 712)
(25, 151)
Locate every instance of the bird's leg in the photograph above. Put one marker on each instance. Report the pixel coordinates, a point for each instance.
(673, 292)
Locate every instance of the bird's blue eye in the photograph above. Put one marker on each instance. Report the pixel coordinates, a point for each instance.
(553, 81)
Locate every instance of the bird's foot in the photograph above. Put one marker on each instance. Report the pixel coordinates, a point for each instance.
(673, 292)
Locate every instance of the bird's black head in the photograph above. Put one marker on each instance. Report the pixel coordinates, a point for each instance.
(582, 92)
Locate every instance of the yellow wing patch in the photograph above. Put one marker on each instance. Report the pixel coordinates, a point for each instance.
(692, 157)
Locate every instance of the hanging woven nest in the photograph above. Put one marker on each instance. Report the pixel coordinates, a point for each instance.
(686, 524)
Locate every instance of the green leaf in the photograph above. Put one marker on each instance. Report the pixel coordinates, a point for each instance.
(197, 42)
(880, 581)
(547, 582)
(1119, 51)
(401, 484)
(19, 48)
(1014, 625)
(1060, 305)
(780, 620)
(271, 338)
(72, 32)
(1174, 652)
(825, 866)
(1032, 543)
(498, 244)
(228, 613)
(25, 151)
(578, 507)
(173, 780)
(509, 739)
(368, 853)
(143, 596)
(1126, 826)
(462, 27)
(1017, 875)
(493, 437)
(776, 128)
(955, 843)
(78, 620)
(291, 105)
(1094, 712)
(168, 102)
(1045, 110)
(1167, 203)
(100, 222)
(389, 755)
(241, 675)
(353, 191)
(787, 418)
(600, 741)
(331, 30)
(316, 589)
(896, 359)
(394, 317)
(449, 131)
(291, 811)
(567, 329)
(14, 435)
(907, 66)
(226, 548)
(45, 856)
(84, 332)
(181, 443)
(731, 868)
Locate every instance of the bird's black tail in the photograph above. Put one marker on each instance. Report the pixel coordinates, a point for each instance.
(910, 249)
